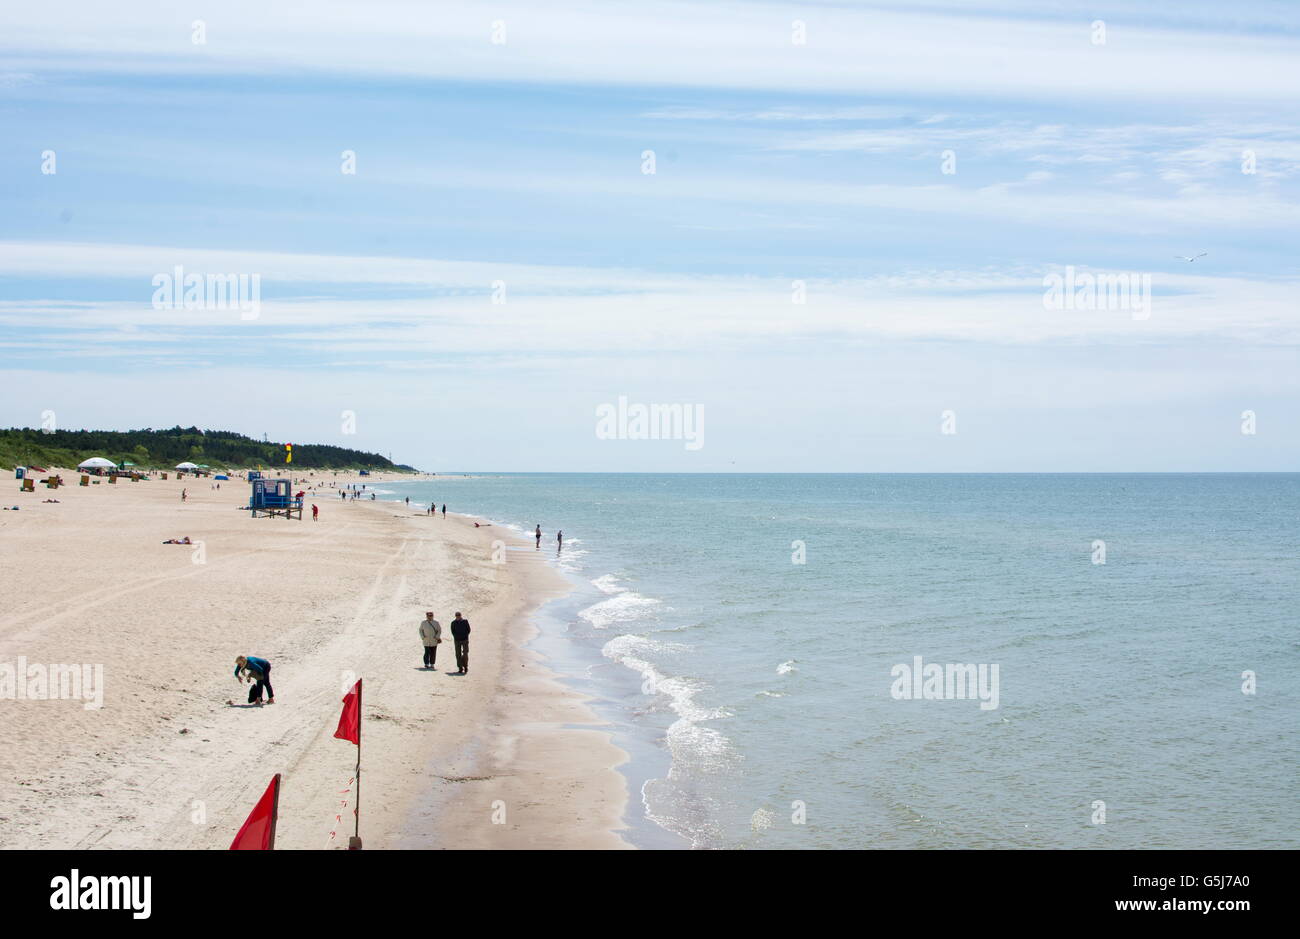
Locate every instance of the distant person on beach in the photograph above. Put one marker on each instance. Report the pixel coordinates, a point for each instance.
(538, 533)
(184, 494)
(408, 500)
(314, 511)
(343, 495)
(444, 510)
(460, 637)
(430, 636)
(258, 672)
(559, 542)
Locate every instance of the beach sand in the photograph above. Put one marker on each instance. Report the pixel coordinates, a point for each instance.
(504, 757)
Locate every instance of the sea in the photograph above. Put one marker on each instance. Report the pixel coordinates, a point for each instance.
(1118, 656)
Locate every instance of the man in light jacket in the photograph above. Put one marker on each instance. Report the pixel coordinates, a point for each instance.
(430, 635)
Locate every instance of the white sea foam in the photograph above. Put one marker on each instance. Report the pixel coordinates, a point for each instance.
(619, 608)
(785, 668)
(570, 560)
(608, 584)
(701, 747)
(633, 652)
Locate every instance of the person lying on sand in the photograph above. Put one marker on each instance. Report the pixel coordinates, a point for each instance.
(185, 540)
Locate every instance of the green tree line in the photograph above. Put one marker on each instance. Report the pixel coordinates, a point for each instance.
(163, 449)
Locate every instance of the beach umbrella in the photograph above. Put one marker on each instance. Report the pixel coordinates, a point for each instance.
(96, 462)
(186, 466)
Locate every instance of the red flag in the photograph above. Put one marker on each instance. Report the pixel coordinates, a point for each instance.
(258, 833)
(350, 720)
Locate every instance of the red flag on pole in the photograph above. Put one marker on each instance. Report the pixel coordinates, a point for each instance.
(350, 720)
(258, 833)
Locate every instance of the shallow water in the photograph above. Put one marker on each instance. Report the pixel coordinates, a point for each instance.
(754, 693)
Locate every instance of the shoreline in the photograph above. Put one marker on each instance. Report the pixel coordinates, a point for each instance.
(574, 664)
(166, 764)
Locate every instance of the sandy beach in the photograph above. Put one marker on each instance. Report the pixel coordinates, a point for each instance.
(504, 757)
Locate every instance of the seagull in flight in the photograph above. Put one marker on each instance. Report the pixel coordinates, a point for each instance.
(1179, 257)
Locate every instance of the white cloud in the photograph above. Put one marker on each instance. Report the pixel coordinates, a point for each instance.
(603, 313)
(877, 50)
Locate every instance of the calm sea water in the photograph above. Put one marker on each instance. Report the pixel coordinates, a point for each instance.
(754, 692)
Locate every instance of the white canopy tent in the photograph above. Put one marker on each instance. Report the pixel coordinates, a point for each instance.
(187, 466)
(96, 462)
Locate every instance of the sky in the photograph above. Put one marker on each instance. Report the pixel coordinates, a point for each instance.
(828, 231)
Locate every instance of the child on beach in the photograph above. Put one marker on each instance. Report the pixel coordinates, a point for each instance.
(258, 671)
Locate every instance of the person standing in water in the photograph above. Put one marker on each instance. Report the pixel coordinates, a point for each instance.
(559, 542)
(538, 533)
(444, 510)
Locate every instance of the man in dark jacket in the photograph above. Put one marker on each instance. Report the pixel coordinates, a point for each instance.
(460, 636)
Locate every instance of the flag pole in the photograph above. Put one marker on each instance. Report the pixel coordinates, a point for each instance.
(275, 812)
(356, 831)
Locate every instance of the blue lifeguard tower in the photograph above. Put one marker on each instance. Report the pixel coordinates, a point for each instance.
(274, 497)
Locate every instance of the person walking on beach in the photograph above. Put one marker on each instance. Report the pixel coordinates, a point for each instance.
(444, 510)
(258, 671)
(430, 636)
(460, 637)
(538, 533)
(559, 542)
(184, 494)
(314, 511)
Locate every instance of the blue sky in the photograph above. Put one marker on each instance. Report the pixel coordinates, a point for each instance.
(521, 162)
